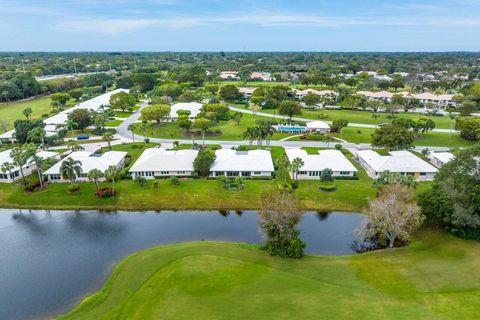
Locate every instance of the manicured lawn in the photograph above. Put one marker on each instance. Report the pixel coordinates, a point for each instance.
(230, 130)
(12, 111)
(113, 123)
(122, 114)
(433, 278)
(365, 117)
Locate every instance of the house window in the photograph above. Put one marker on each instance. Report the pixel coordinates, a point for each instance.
(257, 173)
(423, 173)
(246, 174)
(233, 173)
(344, 173)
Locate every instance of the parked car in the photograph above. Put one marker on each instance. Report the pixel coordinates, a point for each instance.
(83, 136)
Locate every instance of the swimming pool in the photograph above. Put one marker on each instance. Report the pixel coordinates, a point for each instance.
(290, 129)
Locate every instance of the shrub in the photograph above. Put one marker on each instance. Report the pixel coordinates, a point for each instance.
(328, 187)
(338, 146)
(155, 185)
(174, 180)
(142, 182)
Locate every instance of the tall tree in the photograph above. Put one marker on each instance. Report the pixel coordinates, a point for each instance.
(203, 125)
(111, 173)
(21, 157)
(70, 169)
(95, 175)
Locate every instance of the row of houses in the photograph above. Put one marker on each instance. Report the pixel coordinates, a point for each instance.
(54, 123)
(13, 172)
(442, 100)
(256, 76)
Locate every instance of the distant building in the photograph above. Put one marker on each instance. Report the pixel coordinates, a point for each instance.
(159, 162)
(300, 94)
(193, 107)
(263, 76)
(403, 162)
(229, 75)
(89, 161)
(233, 163)
(314, 164)
(246, 91)
(382, 78)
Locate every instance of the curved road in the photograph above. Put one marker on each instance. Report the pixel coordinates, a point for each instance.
(127, 135)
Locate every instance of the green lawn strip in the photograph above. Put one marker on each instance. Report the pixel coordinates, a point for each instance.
(113, 123)
(12, 111)
(430, 279)
(123, 114)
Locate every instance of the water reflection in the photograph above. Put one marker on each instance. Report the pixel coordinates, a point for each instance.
(50, 258)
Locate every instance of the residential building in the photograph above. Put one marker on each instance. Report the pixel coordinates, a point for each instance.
(314, 164)
(160, 162)
(440, 158)
(246, 91)
(403, 162)
(193, 107)
(53, 123)
(300, 94)
(229, 75)
(318, 126)
(263, 76)
(89, 161)
(382, 78)
(442, 100)
(252, 163)
(14, 173)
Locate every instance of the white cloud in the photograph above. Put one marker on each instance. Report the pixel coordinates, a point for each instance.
(120, 25)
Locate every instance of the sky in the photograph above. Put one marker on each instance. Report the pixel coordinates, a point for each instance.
(240, 25)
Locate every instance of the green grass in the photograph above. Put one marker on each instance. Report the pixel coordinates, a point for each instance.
(229, 130)
(12, 111)
(113, 123)
(433, 278)
(122, 114)
(365, 117)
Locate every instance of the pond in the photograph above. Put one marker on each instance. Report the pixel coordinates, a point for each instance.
(49, 260)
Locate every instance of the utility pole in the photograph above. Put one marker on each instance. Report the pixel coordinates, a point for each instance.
(74, 66)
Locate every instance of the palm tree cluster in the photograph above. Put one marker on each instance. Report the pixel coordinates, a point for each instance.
(263, 131)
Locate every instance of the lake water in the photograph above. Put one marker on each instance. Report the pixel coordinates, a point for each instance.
(49, 260)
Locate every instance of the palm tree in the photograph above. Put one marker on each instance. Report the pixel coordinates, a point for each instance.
(70, 169)
(130, 128)
(95, 175)
(284, 164)
(38, 163)
(21, 156)
(110, 174)
(452, 120)
(73, 146)
(202, 124)
(8, 167)
(108, 137)
(297, 163)
(70, 124)
(250, 135)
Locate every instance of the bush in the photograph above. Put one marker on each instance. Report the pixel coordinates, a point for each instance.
(105, 193)
(346, 178)
(73, 188)
(294, 184)
(174, 180)
(284, 187)
(328, 187)
(142, 182)
(338, 146)
(261, 178)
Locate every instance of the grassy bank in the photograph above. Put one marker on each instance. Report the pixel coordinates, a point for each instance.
(12, 111)
(430, 279)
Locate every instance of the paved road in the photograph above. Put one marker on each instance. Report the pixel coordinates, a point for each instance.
(356, 125)
(123, 134)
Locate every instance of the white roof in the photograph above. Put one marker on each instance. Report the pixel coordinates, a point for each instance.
(194, 107)
(90, 161)
(325, 159)
(246, 90)
(5, 156)
(313, 91)
(317, 125)
(160, 159)
(232, 160)
(433, 97)
(397, 161)
(380, 94)
(444, 157)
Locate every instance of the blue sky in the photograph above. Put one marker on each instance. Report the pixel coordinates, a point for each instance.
(237, 25)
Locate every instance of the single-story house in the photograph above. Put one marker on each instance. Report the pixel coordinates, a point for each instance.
(89, 161)
(232, 163)
(246, 91)
(440, 158)
(160, 162)
(14, 174)
(314, 164)
(229, 75)
(194, 107)
(403, 162)
(300, 94)
(263, 76)
(318, 126)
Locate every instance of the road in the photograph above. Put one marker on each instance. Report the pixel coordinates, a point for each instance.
(356, 125)
(125, 135)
